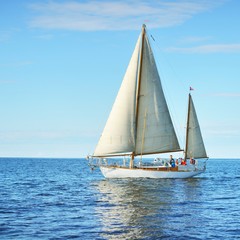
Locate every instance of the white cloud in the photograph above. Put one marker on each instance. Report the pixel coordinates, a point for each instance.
(227, 94)
(29, 136)
(226, 130)
(45, 36)
(6, 35)
(116, 15)
(17, 64)
(194, 39)
(6, 81)
(210, 48)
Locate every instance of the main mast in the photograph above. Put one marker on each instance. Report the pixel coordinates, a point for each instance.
(138, 90)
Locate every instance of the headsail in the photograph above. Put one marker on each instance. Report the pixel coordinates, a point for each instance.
(194, 142)
(139, 122)
(118, 135)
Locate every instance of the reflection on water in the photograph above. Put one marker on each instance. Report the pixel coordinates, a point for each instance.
(145, 208)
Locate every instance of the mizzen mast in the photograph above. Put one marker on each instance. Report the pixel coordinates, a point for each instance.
(187, 128)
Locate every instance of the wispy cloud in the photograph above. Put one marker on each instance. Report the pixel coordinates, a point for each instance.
(7, 81)
(45, 36)
(210, 48)
(223, 129)
(17, 64)
(227, 94)
(25, 136)
(45, 135)
(116, 15)
(194, 39)
(6, 35)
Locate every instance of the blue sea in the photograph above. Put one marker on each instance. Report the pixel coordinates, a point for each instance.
(64, 199)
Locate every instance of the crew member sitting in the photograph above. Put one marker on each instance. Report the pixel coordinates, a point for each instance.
(192, 161)
(172, 162)
(176, 162)
(183, 161)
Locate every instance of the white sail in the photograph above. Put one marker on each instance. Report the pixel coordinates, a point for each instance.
(194, 143)
(118, 135)
(155, 131)
(139, 122)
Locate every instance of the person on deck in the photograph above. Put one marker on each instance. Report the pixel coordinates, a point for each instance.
(192, 161)
(176, 162)
(172, 162)
(183, 162)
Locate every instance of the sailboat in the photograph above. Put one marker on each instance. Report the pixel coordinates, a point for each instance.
(140, 124)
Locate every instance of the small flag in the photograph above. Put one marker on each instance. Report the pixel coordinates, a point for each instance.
(191, 89)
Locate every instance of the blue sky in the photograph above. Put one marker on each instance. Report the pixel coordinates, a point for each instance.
(62, 62)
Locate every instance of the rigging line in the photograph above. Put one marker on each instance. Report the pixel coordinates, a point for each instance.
(184, 84)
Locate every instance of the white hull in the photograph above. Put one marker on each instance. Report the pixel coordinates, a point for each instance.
(116, 172)
(140, 124)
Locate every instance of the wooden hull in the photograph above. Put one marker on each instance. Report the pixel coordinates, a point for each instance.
(121, 172)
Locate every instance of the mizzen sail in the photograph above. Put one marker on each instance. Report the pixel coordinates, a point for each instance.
(194, 142)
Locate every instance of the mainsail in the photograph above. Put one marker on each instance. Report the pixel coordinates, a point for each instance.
(194, 143)
(155, 131)
(139, 122)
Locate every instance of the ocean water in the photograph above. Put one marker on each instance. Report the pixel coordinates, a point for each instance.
(63, 199)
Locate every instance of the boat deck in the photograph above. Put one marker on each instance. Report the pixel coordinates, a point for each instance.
(156, 168)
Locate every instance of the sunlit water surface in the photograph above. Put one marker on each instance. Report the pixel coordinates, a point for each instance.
(63, 199)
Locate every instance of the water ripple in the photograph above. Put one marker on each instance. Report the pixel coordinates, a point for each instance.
(62, 199)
